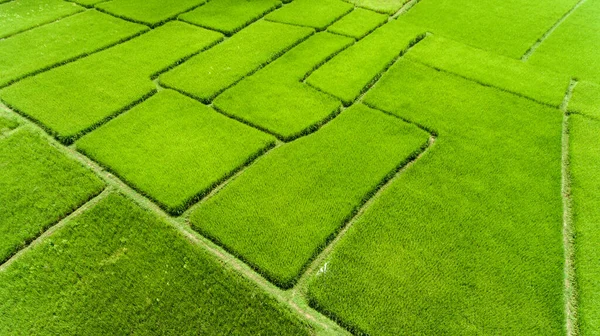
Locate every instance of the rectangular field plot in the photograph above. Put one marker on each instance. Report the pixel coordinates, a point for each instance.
(229, 16)
(490, 69)
(38, 187)
(72, 99)
(173, 148)
(585, 171)
(55, 43)
(284, 208)
(274, 98)
(317, 14)
(150, 12)
(382, 6)
(508, 27)
(586, 99)
(19, 15)
(467, 240)
(117, 269)
(358, 23)
(208, 74)
(573, 47)
(349, 74)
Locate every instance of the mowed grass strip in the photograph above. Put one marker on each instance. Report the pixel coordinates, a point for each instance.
(19, 15)
(72, 99)
(507, 27)
(468, 239)
(573, 47)
(274, 98)
(229, 16)
(150, 12)
(173, 148)
(117, 269)
(585, 171)
(208, 74)
(387, 6)
(311, 13)
(286, 207)
(490, 69)
(358, 23)
(55, 43)
(586, 99)
(38, 187)
(351, 72)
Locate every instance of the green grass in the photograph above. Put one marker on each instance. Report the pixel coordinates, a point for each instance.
(173, 148)
(573, 47)
(38, 187)
(507, 27)
(311, 13)
(284, 209)
(351, 72)
(58, 42)
(468, 240)
(274, 98)
(7, 124)
(229, 16)
(150, 12)
(19, 15)
(117, 269)
(208, 74)
(358, 23)
(586, 99)
(489, 69)
(585, 172)
(381, 6)
(72, 99)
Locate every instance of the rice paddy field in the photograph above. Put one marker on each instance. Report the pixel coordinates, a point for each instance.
(300, 167)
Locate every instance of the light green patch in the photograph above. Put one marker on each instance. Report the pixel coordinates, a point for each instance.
(61, 41)
(210, 73)
(229, 16)
(586, 99)
(150, 12)
(156, 283)
(467, 240)
(72, 99)
(38, 187)
(311, 13)
(358, 23)
(7, 124)
(173, 148)
(490, 69)
(287, 206)
(19, 15)
(351, 72)
(274, 98)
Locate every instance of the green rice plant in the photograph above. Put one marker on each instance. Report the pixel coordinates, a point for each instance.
(50, 45)
(229, 16)
(585, 171)
(73, 99)
(210, 73)
(350, 73)
(508, 27)
(274, 99)
(7, 124)
(287, 206)
(117, 269)
(149, 12)
(317, 14)
(19, 15)
(381, 6)
(38, 187)
(586, 99)
(573, 47)
(358, 23)
(490, 69)
(173, 148)
(87, 3)
(468, 239)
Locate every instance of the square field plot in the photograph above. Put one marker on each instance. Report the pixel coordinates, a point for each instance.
(317, 14)
(38, 187)
(358, 23)
(173, 148)
(118, 270)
